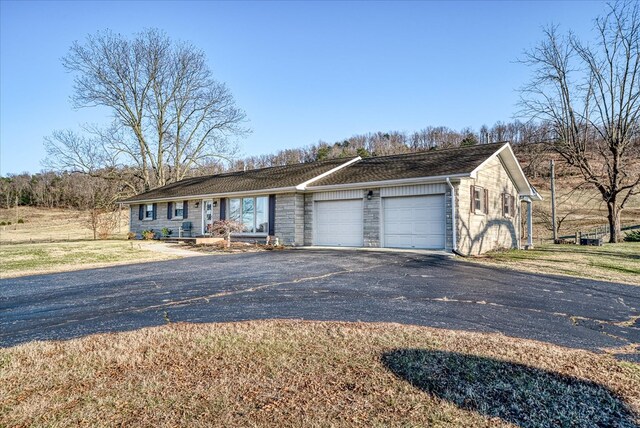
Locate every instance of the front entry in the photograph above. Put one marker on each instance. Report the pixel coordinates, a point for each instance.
(207, 216)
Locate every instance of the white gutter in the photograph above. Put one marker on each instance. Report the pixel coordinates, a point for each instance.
(454, 223)
(385, 183)
(216, 195)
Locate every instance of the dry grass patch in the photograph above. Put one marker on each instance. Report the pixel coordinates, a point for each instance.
(37, 258)
(289, 373)
(611, 262)
(51, 225)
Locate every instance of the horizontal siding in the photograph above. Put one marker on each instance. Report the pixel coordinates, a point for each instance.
(339, 194)
(418, 189)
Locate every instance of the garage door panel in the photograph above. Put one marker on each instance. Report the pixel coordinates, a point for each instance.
(414, 222)
(339, 223)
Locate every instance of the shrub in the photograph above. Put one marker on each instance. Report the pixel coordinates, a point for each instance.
(2, 223)
(131, 235)
(166, 232)
(633, 236)
(8, 223)
(148, 234)
(20, 221)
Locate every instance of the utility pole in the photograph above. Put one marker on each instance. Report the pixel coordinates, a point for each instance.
(553, 201)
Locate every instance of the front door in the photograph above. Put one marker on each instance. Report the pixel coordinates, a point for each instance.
(207, 216)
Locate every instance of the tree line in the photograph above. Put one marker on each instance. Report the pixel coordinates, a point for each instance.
(102, 187)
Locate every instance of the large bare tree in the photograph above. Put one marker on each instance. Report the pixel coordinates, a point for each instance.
(170, 113)
(589, 94)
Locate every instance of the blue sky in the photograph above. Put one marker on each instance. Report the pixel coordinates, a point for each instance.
(302, 71)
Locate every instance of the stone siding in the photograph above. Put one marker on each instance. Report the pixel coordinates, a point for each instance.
(289, 227)
(448, 233)
(371, 219)
(479, 233)
(161, 221)
(308, 219)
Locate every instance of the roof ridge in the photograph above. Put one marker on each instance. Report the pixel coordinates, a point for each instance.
(438, 150)
(220, 174)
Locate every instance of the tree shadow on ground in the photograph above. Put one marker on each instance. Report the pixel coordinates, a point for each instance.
(516, 393)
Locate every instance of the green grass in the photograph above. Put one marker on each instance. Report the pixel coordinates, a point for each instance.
(24, 259)
(611, 262)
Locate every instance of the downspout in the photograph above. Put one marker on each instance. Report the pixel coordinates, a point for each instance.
(454, 223)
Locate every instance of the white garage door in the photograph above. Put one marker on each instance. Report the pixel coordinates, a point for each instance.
(339, 223)
(414, 222)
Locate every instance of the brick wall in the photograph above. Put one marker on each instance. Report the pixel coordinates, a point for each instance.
(479, 233)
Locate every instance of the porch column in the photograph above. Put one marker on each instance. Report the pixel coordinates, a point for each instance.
(529, 203)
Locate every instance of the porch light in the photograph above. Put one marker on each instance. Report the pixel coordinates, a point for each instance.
(197, 204)
(370, 195)
(215, 203)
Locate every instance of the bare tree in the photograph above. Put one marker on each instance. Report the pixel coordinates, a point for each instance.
(590, 95)
(170, 114)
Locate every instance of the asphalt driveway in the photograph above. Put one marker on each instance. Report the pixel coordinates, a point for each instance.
(407, 288)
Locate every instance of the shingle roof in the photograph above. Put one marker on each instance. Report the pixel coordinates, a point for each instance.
(433, 163)
(242, 181)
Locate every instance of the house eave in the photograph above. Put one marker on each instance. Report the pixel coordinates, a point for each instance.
(258, 192)
(386, 183)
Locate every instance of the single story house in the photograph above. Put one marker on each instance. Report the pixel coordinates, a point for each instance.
(467, 200)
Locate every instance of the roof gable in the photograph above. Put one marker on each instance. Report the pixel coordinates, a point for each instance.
(433, 163)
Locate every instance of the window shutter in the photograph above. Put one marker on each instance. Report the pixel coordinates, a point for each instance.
(223, 208)
(486, 201)
(473, 198)
(185, 209)
(169, 210)
(513, 205)
(155, 211)
(272, 215)
(140, 212)
(504, 201)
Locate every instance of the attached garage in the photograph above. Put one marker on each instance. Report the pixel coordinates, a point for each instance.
(339, 223)
(414, 222)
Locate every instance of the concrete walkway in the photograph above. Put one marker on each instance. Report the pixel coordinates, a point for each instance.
(172, 249)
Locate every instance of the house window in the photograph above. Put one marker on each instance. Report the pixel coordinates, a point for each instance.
(252, 212)
(479, 200)
(508, 205)
(178, 209)
(148, 212)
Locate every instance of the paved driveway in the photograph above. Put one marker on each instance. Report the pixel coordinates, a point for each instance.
(322, 285)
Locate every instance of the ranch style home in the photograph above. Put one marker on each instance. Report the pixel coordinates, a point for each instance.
(468, 200)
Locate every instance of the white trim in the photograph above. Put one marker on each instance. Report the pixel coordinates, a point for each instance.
(385, 183)
(474, 173)
(524, 187)
(260, 192)
(304, 185)
(354, 186)
(338, 194)
(413, 190)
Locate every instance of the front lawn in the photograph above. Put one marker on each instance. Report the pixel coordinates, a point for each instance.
(27, 259)
(611, 262)
(312, 374)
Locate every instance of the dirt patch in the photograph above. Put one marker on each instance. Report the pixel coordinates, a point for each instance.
(235, 247)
